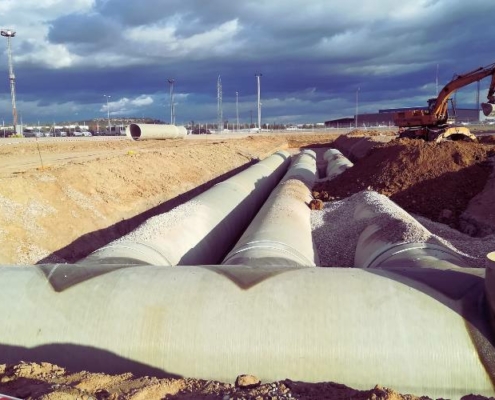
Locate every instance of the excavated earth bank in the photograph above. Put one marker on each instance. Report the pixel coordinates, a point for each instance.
(59, 201)
(434, 180)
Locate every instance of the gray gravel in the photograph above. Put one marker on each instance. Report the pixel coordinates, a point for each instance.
(336, 230)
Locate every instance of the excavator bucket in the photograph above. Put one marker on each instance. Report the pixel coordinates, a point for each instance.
(488, 109)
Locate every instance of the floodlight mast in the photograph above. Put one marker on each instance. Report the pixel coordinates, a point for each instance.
(219, 105)
(108, 114)
(9, 33)
(258, 76)
(172, 108)
(237, 110)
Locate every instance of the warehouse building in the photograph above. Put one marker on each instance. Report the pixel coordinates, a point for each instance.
(385, 117)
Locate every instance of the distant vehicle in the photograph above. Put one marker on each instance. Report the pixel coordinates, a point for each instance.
(63, 134)
(200, 131)
(86, 133)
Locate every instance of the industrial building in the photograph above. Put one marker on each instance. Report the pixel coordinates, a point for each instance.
(385, 117)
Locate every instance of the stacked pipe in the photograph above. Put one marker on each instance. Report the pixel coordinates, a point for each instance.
(208, 226)
(280, 234)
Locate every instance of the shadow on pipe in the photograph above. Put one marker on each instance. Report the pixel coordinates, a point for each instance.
(89, 242)
(76, 357)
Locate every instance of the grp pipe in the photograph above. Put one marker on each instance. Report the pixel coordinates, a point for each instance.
(203, 229)
(357, 327)
(155, 131)
(280, 234)
(388, 242)
(337, 163)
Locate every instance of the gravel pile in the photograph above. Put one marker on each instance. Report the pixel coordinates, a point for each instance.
(165, 225)
(336, 231)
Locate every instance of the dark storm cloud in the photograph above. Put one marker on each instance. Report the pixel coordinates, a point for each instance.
(313, 54)
(86, 31)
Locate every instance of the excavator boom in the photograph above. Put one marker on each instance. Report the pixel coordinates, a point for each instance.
(431, 123)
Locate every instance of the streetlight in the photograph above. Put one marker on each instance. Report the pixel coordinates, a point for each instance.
(237, 110)
(9, 33)
(108, 114)
(357, 106)
(258, 76)
(172, 116)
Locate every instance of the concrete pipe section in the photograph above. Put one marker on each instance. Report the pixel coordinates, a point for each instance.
(280, 234)
(337, 163)
(152, 131)
(421, 333)
(202, 230)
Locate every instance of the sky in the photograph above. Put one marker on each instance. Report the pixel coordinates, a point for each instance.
(318, 59)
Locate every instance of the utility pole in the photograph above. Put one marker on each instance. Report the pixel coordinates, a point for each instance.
(258, 76)
(237, 110)
(219, 105)
(478, 100)
(357, 107)
(172, 110)
(9, 33)
(108, 115)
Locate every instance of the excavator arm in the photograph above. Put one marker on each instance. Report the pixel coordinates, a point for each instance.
(431, 123)
(439, 111)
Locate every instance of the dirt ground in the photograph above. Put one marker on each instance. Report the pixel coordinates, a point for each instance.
(434, 180)
(61, 200)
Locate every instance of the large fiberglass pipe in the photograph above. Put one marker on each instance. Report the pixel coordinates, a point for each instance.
(152, 131)
(402, 242)
(280, 234)
(202, 230)
(336, 163)
(422, 333)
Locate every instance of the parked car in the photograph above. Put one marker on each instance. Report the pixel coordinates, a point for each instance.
(200, 131)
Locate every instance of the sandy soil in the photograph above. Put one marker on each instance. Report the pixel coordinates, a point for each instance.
(50, 382)
(62, 200)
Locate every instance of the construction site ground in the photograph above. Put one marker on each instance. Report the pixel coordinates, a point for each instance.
(62, 199)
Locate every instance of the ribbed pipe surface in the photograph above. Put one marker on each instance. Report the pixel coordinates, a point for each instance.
(155, 131)
(418, 332)
(280, 234)
(203, 229)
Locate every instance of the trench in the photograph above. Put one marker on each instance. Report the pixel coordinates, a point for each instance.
(183, 305)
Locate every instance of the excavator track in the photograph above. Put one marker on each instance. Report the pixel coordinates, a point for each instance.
(439, 135)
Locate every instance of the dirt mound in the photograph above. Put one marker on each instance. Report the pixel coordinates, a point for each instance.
(48, 381)
(373, 132)
(435, 180)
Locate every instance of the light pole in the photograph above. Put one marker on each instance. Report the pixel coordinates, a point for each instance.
(357, 107)
(8, 33)
(237, 110)
(172, 113)
(108, 114)
(258, 76)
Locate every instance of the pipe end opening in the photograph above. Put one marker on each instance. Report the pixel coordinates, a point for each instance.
(135, 131)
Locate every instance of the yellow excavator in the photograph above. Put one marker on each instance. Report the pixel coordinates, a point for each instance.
(431, 124)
